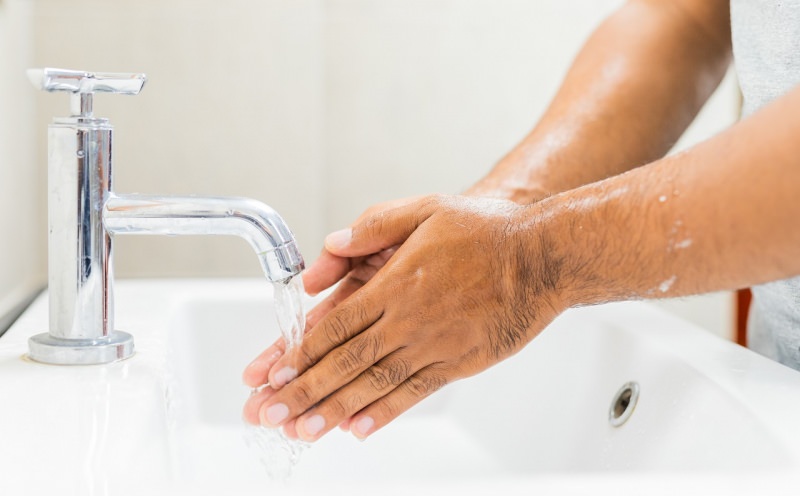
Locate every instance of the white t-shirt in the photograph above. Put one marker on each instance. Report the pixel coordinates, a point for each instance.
(766, 49)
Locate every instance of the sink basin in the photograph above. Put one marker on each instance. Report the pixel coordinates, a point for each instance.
(168, 420)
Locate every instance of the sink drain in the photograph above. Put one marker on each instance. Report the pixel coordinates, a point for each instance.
(623, 404)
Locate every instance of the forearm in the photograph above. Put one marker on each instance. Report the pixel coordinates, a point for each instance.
(722, 215)
(633, 89)
(480, 278)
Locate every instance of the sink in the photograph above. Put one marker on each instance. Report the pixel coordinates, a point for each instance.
(168, 420)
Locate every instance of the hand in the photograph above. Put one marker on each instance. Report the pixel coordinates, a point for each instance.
(464, 290)
(327, 270)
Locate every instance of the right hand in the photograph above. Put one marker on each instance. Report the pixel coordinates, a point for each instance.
(327, 270)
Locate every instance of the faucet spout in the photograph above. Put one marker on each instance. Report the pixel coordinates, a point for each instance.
(255, 222)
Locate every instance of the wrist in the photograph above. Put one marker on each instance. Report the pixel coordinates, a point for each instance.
(538, 262)
(561, 255)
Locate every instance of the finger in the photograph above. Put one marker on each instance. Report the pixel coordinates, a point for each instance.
(379, 259)
(290, 431)
(329, 268)
(342, 323)
(380, 231)
(324, 272)
(256, 373)
(253, 405)
(347, 287)
(357, 278)
(337, 368)
(372, 384)
(413, 390)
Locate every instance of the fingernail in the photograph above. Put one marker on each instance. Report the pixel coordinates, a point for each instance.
(313, 425)
(284, 376)
(339, 239)
(276, 414)
(362, 427)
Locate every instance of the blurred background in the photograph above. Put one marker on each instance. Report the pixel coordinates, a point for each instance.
(319, 108)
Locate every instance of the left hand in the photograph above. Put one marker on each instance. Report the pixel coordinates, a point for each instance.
(462, 292)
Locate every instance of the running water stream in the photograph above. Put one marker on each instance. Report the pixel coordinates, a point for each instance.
(289, 310)
(276, 452)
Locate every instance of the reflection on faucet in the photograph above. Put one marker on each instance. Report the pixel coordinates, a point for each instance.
(251, 220)
(84, 215)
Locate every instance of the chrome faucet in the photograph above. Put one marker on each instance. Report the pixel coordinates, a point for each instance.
(84, 215)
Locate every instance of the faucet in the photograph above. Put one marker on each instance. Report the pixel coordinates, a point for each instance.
(84, 214)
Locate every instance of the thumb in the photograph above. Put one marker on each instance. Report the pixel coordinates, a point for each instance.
(379, 231)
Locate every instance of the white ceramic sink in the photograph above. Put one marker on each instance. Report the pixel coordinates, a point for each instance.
(168, 421)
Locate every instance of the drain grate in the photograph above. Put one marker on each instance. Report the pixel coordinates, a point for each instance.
(623, 404)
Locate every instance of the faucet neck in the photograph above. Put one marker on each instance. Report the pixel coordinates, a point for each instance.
(80, 277)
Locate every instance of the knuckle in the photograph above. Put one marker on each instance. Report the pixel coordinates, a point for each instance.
(389, 373)
(426, 383)
(398, 371)
(367, 347)
(428, 203)
(373, 225)
(376, 378)
(358, 312)
(340, 405)
(305, 356)
(431, 205)
(337, 328)
(344, 361)
(335, 407)
(302, 393)
(346, 320)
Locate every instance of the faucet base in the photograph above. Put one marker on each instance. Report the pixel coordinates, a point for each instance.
(45, 348)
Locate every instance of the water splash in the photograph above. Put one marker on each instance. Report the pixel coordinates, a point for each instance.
(277, 453)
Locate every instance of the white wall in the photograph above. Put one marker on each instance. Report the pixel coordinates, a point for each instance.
(21, 186)
(426, 95)
(319, 107)
(233, 106)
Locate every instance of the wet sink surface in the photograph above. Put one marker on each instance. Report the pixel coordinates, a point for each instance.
(168, 420)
